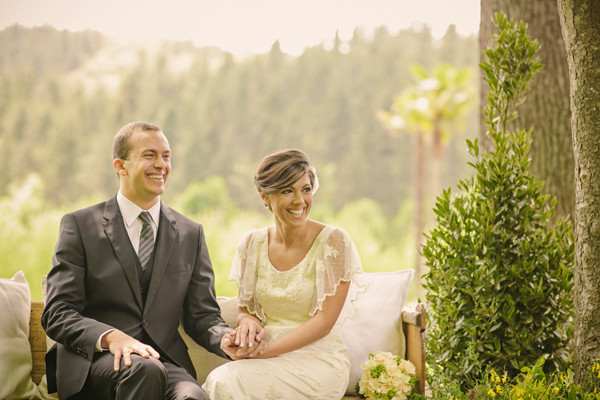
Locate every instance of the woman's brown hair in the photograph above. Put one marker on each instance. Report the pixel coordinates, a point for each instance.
(282, 169)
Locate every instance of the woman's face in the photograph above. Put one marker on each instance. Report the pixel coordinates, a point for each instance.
(291, 205)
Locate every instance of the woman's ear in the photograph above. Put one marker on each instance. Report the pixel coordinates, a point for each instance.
(265, 199)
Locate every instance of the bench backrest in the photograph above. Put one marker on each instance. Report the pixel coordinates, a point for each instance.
(414, 323)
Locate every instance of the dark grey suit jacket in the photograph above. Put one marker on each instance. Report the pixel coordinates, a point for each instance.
(93, 286)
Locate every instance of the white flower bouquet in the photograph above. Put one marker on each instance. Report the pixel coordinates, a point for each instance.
(386, 376)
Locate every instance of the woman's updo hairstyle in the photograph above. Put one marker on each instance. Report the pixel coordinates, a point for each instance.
(282, 169)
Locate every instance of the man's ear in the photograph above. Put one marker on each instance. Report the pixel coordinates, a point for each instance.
(119, 166)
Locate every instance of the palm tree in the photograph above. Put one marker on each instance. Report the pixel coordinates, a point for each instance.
(431, 110)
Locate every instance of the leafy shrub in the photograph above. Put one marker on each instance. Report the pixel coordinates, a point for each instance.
(500, 275)
(532, 383)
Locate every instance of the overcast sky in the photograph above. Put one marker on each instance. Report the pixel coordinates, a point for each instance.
(241, 26)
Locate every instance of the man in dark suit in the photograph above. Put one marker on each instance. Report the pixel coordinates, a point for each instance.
(119, 284)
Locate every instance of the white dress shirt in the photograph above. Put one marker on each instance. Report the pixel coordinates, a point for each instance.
(130, 212)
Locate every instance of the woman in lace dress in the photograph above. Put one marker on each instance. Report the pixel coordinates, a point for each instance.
(293, 278)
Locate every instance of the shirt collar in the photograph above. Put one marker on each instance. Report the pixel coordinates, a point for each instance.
(131, 211)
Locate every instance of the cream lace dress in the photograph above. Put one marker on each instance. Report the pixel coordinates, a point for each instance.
(282, 300)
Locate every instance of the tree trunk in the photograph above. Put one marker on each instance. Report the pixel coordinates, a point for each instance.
(420, 199)
(546, 109)
(437, 149)
(581, 32)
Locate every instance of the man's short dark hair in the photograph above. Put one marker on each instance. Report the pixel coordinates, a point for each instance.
(121, 146)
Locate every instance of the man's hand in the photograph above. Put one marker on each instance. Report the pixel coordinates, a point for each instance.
(122, 345)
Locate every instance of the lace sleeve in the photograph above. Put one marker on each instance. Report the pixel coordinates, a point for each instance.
(338, 262)
(243, 273)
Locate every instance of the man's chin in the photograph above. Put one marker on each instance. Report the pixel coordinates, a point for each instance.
(158, 189)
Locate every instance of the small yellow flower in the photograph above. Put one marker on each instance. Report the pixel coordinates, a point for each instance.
(504, 379)
(556, 390)
(491, 393)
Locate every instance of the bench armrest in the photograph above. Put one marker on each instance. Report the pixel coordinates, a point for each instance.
(414, 323)
(37, 341)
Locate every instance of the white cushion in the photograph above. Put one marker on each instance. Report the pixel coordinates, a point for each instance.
(203, 360)
(372, 317)
(15, 351)
(229, 309)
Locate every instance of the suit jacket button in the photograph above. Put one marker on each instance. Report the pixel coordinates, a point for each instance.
(145, 322)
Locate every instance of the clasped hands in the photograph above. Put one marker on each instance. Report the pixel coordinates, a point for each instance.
(247, 340)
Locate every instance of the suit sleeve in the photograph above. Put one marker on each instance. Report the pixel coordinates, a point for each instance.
(62, 319)
(201, 315)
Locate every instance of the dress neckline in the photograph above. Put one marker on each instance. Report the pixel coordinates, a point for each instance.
(312, 246)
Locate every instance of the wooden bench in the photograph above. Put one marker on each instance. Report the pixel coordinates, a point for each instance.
(414, 322)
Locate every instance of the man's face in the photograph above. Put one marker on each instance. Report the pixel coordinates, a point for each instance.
(144, 174)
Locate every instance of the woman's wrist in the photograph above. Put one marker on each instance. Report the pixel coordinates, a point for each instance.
(246, 316)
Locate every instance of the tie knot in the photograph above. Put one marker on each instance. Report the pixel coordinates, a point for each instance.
(145, 217)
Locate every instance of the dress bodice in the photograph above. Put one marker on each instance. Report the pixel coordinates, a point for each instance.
(286, 296)
(331, 259)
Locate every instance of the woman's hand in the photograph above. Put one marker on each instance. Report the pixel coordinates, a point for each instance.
(249, 331)
(235, 352)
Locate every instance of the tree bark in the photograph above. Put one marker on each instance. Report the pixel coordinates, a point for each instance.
(546, 109)
(580, 20)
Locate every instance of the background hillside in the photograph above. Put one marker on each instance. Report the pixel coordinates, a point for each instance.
(65, 94)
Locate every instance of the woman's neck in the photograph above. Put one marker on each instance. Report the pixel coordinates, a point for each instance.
(292, 236)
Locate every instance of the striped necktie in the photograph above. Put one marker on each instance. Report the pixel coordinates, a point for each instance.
(146, 239)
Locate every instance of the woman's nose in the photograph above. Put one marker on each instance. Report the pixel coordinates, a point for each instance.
(297, 198)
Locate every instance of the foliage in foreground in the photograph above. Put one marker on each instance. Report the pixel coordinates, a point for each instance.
(501, 274)
(532, 383)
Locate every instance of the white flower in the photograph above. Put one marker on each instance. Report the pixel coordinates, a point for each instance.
(386, 375)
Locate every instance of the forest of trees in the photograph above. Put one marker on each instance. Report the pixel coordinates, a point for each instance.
(65, 94)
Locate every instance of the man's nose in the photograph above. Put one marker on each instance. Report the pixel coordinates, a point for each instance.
(159, 162)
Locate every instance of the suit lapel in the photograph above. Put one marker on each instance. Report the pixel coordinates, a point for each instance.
(165, 240)
(114, 227)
